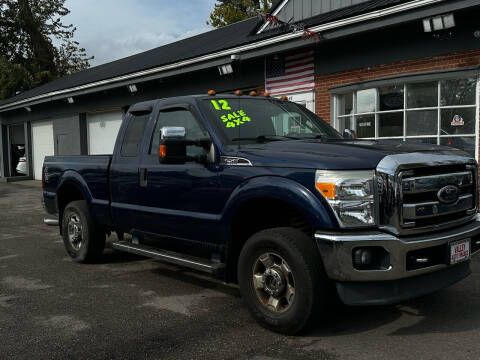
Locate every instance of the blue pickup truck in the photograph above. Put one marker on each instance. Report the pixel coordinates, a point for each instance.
(261, 192)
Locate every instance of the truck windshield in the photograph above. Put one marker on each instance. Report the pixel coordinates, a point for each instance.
(260, 120)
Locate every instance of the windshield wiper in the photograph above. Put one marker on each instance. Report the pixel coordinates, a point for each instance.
(322, 137)
(263, 138)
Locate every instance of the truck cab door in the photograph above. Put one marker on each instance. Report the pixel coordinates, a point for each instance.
(178, 201)
(125, 172)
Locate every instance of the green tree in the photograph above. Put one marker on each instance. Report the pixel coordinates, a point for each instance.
(13, 78)
(227, 12)
(35, 46)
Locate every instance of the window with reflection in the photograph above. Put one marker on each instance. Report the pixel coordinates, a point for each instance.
(442, 112)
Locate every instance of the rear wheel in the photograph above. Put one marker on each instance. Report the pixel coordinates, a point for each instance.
(282, 280)
(84, 241)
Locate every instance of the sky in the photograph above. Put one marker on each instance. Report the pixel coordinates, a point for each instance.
(113, 29)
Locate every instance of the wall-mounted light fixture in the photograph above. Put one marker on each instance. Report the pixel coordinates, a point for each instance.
(439, 22)
(132, 88)
(225, 69)
(70, 100)
(28, 108)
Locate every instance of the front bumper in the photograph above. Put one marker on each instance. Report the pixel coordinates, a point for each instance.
(395, 291)
(395, 282)
(336, 250)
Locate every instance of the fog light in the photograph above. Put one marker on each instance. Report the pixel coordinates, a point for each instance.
(362, 257)
(371, 258)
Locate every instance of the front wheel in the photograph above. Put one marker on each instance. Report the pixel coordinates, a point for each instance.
(84, 241)
(281, 279)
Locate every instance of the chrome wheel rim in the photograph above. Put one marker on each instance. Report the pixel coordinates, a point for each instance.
(273, 282)
(74, 226)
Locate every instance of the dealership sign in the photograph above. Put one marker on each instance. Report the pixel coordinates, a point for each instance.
(457, 121)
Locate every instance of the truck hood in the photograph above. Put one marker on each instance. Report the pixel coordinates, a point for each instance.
(334, 154)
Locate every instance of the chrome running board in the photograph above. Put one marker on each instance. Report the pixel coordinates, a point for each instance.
(169, 257)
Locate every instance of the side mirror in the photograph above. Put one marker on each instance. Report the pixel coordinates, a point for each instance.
(349, 134)
(172, 147)
(206, 152)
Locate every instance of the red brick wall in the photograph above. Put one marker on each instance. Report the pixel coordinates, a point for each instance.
(443, 62)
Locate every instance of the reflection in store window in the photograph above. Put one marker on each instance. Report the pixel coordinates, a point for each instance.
(422, 95)
(366, 100)
(390, 124)
(345, 104)
(458, 92)
(422, 122)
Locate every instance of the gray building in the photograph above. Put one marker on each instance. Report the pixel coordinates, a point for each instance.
(384, 68)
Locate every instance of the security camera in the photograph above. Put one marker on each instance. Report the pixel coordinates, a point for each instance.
(476, 33)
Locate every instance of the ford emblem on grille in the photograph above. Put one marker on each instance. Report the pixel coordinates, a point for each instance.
(448, 194)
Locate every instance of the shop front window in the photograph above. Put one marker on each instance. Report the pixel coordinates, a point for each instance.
(391, 97)
(366, 100)
(422, 95)
(440, 112)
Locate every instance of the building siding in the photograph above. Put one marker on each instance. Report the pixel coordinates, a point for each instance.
(303, 9)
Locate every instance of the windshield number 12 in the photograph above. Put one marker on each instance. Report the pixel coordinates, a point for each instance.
(221, 105)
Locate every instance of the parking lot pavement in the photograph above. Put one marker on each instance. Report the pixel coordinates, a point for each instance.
(134, 308)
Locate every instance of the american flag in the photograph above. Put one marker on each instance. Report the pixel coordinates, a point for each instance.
(289, 73)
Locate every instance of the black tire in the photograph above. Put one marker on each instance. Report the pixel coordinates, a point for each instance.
(92, 242)
(311, 285)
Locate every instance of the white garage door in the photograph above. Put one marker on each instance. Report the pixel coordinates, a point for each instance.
(42, 145)
(102, 131)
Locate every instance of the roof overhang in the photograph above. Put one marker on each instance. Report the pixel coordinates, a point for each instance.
(221, 57)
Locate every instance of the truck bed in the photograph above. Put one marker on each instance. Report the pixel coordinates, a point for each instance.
(90, 170)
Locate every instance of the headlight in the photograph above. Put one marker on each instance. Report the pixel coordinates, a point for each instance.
(350, 193)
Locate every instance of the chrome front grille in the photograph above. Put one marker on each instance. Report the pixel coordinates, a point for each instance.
(424, 192)
(421, 205)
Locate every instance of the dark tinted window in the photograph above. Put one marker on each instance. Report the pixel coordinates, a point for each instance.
(421, 95)
(184, 118)
(133, 136)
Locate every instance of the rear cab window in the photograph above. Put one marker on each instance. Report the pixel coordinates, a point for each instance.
(132, 140)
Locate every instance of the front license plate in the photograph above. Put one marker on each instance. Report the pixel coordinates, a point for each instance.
(459, 251)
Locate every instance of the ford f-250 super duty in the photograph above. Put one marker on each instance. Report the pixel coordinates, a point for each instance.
(261, 192)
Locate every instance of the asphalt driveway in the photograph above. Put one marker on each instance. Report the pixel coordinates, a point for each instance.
(135, 308)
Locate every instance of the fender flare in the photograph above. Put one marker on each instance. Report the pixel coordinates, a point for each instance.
(316, 210)
(71, 177)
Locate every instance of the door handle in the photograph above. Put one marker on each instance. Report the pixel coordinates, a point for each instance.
(143, 177)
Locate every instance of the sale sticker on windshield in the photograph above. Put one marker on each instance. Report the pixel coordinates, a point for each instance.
(232, 119)
(235, 118)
